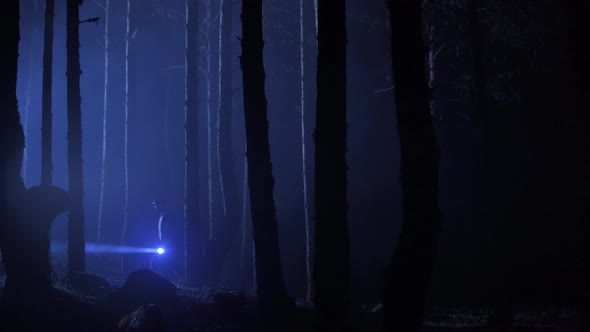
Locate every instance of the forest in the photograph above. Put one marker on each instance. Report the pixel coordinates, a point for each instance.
(294, 165)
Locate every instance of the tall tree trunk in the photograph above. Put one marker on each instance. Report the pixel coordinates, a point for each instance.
(244, 219)
(209, 117)
(129, 107)
(230, 222)
(331, 264)
(103, 168)
(303, 156)
(193, 229)
(47, 117)
(408, 276)
(12, 139)
(76, 259)
(272, 295)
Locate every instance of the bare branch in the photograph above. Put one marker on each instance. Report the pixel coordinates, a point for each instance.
(384, 90)
(100, 5)
(173, 67)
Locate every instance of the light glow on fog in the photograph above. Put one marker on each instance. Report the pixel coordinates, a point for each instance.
(106, 248)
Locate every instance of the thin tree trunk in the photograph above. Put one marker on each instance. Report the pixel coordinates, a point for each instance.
(129, 107)
(408, 275)
(47, 117)
(103, 168)
(244, 218)
(303, 157)
(272, 295)
(76, 260)
(332, 269)
(228, 229)
(194, 232)
(209, 123)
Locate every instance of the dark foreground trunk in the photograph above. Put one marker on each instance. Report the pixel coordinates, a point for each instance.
(272, 295)
(46, 127)
(25, 215)
(331, 264)
(76, 259)
(12, 140)
(408, 275)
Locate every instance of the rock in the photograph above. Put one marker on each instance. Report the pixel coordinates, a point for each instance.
(89, 284)
(144, 287)
(147, 287)
(147, 318)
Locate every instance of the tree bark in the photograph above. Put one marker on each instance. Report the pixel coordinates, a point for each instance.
(76, 255)
(272, 295)
(307, 223)
(12, 139)
(193, 229)
(103, 168)
(227, 233)
(47, 117)
(129, 106)
(409, 272)
(331, 264)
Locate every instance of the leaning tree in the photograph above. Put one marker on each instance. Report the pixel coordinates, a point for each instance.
(273, 301)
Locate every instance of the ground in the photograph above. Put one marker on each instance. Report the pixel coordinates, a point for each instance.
(208, 309)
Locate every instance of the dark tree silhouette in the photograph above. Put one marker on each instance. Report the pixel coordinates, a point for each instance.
(331, 264)
(273, 301)
(229, 224)
(76, 255)
(408, 275)
(47, 126)
(12, 140)
(25, 215)
(193, 229)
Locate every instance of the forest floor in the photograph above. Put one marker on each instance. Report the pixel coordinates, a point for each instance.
(226, 310)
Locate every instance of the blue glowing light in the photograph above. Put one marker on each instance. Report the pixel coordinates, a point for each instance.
(160, 251)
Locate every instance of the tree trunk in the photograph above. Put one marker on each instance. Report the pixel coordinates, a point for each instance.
(408, 275)
(76, 259)
(303, 156)
(103, 168)
(244, 219)
(331, 273)
(272, 295)
(228, 230)
(47, 117)
(194, 230)
(209, 117)
(129, 107)
(12, 140)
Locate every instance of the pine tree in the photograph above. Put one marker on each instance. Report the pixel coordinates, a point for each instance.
(47, 126)
(76, 259)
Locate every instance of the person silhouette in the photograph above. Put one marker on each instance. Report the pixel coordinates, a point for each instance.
(168, 244)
